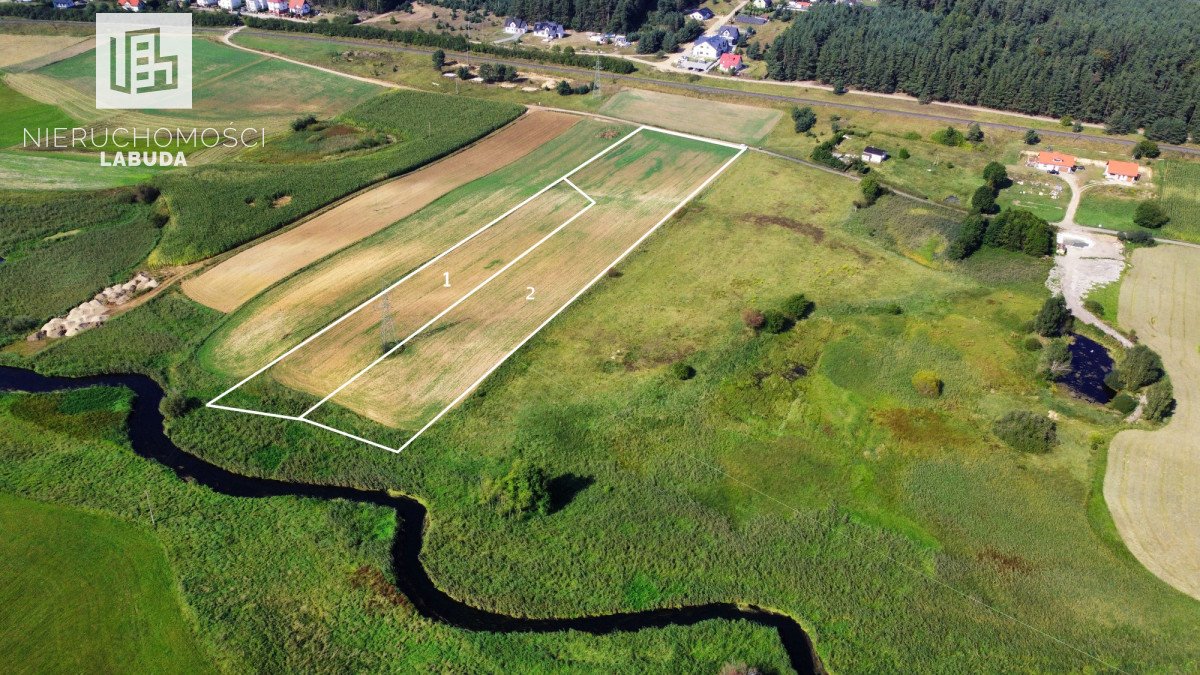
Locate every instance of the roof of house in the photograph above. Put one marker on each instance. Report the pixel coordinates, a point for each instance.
(718, 43)
(730, 32)
(702, 11)
(514, 21)
(296, 4)
(131, 3)
(729, 61)
(755, 20)
(1119, 168)
(872, 150)
(1056, 159)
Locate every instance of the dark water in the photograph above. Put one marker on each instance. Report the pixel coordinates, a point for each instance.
(148, 440)
(1090, 363)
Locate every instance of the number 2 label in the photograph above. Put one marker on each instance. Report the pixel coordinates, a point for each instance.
(531, 290)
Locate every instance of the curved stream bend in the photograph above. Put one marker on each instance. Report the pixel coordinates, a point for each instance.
(148, 440)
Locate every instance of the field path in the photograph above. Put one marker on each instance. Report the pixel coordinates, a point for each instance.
(1150, 485)
(232, 282)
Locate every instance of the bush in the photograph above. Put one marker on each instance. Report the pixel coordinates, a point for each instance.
(177, 405)
(774, 321)
(1150, 215)
(753, 318)
(1093, 306)
(523, 492)
(144, 194)
(871, 190)
(1160, 401)
(797, 307)
(927, 383)
(302, 123)
(949, 136)
(1135, 236)
(682, 371)
(1032, 344)
(1146, 148)
(902, 153)
(1140, 367)
(1026, 432)
(1020, 230)
(1032, 137)
(803, 119)
(564, 88)
(984, 199)
(974, 133)
(1053, 319)
(1123, 403)
(1055, 360)
(969, 239)
(996, 175)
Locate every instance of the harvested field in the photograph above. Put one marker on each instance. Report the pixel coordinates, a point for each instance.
(635, 187)
(1150, 485)
(730, 121)
(234, 281)
(19, 49)
(300, 306)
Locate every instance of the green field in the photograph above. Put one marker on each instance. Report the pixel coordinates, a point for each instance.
(729, 121)
(87, 592)
(19, 112)
(1109, 206)
(1180, 193)
(64, 171)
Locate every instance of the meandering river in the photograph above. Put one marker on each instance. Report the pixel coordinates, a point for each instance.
(148, 440)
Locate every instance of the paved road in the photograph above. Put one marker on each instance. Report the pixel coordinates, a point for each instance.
(587, 74)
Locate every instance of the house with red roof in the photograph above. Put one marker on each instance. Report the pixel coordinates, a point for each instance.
(130, 5)
(1124, 172)
(730, 63)
(298, 7)
(1054, 162)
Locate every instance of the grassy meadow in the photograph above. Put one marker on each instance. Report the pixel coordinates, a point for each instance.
(87, 592)
(799, 471)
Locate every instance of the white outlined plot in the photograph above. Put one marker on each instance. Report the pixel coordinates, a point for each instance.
(463, 295)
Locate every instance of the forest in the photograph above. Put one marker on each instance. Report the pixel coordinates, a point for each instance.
(1127, 64)
(622, 16)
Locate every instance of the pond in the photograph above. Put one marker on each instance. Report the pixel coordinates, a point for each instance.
(1090, 364)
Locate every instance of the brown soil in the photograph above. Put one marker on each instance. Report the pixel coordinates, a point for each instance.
(234, 281)
(811, 231)
(279, 202)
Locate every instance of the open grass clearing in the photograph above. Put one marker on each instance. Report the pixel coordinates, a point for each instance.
(1111, 206)
(20, 170)
(1045, 195)
(1151, 474)
(715, 119)
(87, 592)
(17, 49)
(299, 306)
(234, 281)
(19, 112)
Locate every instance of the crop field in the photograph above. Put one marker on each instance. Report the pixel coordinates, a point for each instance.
(92, 582)
(730, 121)
(463, 315)
(16, 49)
(1179, 185)
(1150, 483)
(230, 86)
(236, 280)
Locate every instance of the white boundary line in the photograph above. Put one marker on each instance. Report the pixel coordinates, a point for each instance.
(563, 179)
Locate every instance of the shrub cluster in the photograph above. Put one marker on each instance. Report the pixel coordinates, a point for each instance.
(1026, 432)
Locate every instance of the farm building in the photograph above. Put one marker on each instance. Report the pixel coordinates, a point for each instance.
(549, 30)
(1054, 161)
(1124, 172)
(730, 63)
(515, 26)
(130, 5)
(730, 33)
(710, 48)
(229, 5)
(701, 14)
(874, 155)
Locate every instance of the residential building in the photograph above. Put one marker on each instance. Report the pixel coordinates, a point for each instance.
(298, 7)
(730, 63)
(730, 33)
(874, 155)
(701, 14)
(256, 5)
(752, 20)
(799, 5)
(710, 48)
(762, 4)
(130, 5)
(515, 26)
(229, 5)
(1054, 162)
(549, 30)
(1124, 172)
(64, 4)
(277, 6)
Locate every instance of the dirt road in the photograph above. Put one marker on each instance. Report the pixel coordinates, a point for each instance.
(1150, 485)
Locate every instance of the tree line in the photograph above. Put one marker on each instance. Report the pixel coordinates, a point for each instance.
(1129, 64)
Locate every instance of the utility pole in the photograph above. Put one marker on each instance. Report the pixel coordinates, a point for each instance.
(596, 80)
(387, 327)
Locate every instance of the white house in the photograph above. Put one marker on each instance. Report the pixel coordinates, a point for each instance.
(620, 41)
(206, 3)
(762, 4)
(1123, 172)
(799, 5)
(701, 14)
(277, 6)
(130, 5)
(549, 30)
(515, 26)
(710, 48)
(298, 7)
(730, 33)
(874, 155)
(1054, 162)
(256, 5)
(229, 5)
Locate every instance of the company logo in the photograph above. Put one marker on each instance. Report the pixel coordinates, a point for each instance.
(144, 61)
